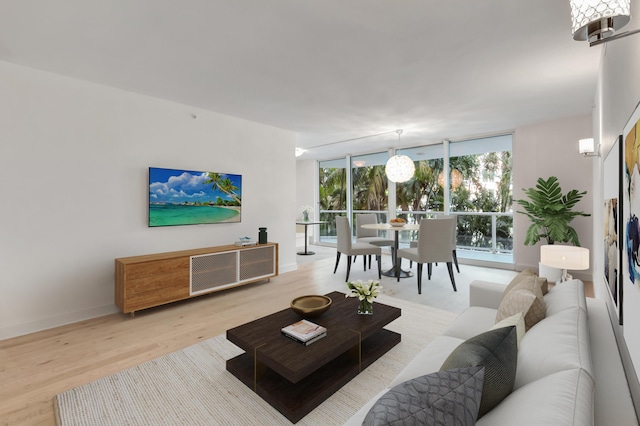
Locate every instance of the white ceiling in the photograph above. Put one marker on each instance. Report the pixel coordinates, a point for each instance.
(329, 70)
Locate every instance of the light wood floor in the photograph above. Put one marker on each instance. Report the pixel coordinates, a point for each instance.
(36, 367)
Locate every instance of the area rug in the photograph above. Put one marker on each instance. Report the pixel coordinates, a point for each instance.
(192, 386)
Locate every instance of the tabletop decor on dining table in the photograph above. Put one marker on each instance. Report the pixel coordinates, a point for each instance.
(365, 291)
(398, 221)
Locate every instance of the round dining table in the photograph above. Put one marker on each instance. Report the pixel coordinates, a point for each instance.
(396, 270)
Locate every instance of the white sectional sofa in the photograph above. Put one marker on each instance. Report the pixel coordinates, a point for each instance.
(568, 367)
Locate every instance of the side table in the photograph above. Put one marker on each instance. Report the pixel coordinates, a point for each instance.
(306, 225)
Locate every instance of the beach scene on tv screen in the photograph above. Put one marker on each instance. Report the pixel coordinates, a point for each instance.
(187, 197)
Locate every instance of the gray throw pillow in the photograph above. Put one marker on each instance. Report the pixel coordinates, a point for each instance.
(443, 398)
(496, 350)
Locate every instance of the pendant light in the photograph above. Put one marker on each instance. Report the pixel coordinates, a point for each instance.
(399, 168)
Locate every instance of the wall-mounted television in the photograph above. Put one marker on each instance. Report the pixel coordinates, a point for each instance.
(188, 197)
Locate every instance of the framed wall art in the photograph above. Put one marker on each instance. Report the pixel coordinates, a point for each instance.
(612, 220)
(631, 234)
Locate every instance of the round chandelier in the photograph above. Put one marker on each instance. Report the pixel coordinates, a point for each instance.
(399, 168)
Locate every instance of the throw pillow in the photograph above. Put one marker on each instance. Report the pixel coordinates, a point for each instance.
(516, 320)
(525, 297)
(530, 303)
(495, 350)
(544, 285)
(528, 277)
(441, 398)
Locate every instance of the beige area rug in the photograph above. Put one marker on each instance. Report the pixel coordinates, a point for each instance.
(192, 386)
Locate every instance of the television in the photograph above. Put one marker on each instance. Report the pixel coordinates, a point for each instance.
(188, 197)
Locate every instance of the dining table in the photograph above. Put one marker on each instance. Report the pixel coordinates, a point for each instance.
(396, 270)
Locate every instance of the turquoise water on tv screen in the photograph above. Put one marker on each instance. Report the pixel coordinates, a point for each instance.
(169, 214)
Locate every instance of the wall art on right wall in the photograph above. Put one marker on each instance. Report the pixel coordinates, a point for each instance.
(630, 235)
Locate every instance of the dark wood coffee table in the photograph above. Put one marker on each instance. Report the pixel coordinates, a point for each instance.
(294, 378)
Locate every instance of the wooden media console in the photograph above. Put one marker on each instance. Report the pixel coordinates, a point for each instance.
(156, 279)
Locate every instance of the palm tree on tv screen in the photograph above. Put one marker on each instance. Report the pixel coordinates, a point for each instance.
(223, 184)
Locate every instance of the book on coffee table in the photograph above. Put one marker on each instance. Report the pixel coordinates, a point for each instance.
(304, 332)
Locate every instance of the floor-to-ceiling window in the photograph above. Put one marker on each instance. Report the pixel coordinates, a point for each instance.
(332, 196)
(369, 186)
(470, 179)
(481, 193)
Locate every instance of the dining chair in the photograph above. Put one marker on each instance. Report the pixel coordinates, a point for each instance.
(349, 248)
(431, 248)
(454, 239)
(370, 235)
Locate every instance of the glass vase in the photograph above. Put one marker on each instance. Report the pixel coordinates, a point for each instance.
(365, 308)
(305, 216)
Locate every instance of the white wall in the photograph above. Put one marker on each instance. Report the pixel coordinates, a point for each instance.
(74, 161)
(551, 149)
(617, 96)
(306, 175)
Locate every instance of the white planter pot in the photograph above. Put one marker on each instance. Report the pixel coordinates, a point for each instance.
(553, 275)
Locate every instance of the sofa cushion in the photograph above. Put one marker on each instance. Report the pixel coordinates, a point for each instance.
(559, 342)
(496, 351)
(516, 320)
(565, 295)
(440, 398)
(562, 398)
(428, 360)
(473, 321)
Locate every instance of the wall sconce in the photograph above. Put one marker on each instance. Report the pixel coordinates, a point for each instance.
(564, 257)
(598, 20)
(587, 148)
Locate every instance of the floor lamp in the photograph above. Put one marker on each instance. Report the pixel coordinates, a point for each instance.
(564, 257)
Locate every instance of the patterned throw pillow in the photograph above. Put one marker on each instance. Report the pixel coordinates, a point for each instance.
(449, 397)
(529, 277)
(525, 297)
(517, 320)
(495, 350)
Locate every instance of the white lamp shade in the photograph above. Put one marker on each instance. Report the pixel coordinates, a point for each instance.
(598, 18)
(399, 168)
(564, 257)
(586, 146)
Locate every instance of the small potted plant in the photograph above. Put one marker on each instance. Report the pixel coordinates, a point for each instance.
(365, 291)
(306, 212)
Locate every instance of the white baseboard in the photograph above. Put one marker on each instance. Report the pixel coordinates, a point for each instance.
(15, 330)
(283, 269)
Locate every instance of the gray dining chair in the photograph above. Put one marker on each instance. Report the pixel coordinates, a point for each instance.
(349, 248)
(429, 249)
(454, 239)
(370, 235)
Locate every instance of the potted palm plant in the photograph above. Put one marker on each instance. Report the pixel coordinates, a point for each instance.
(550, 213)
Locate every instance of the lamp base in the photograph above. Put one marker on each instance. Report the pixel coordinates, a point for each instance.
(551, 274)
(565, 276)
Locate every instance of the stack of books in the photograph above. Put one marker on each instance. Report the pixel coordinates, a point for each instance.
(304, 332)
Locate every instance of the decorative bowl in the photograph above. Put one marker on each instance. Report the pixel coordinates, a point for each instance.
(397, 224)
(310, 306)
